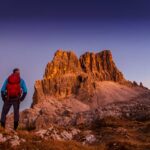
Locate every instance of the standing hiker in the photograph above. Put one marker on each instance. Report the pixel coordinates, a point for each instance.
(13, 92)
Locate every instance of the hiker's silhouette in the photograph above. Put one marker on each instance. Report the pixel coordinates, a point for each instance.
(13, 92)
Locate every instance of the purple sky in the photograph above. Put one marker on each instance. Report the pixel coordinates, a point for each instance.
(31, 32)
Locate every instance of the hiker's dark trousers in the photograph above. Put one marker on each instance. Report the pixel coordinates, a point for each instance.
(6, 107)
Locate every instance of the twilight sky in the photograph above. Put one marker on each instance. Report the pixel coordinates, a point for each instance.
(31, 31)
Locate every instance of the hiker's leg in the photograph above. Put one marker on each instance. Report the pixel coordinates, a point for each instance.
(16, 105)
(5, 110)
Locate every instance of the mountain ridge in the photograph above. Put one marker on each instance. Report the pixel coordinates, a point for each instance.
(66, 74)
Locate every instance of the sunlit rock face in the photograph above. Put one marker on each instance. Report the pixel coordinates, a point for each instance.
(69, 75)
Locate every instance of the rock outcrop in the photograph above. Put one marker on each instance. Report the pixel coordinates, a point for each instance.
(67, 75)
(100, 66)
(63, 63)
(75, 91)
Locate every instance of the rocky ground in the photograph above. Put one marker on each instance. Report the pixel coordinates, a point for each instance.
(123, 125)
(106, 134)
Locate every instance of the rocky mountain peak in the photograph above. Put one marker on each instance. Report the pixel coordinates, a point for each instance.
(67, 74)
(62, 63)
(101, 66)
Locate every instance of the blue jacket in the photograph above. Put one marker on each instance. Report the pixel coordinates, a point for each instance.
(22, 85)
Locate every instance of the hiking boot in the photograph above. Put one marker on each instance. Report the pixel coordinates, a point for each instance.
(3, 124)
(15, 125)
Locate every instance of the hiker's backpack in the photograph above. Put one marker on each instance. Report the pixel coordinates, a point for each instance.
(13, 86)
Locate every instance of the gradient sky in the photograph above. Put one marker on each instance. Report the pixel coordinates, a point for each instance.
(31, 31)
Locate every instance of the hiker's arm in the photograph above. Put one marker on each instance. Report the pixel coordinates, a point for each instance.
(24, 90)
(3, 90)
